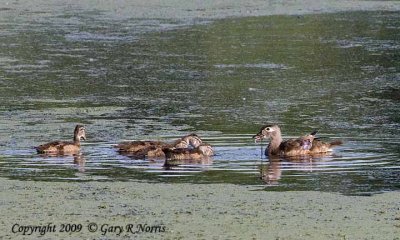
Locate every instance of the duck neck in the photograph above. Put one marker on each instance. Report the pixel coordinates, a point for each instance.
(77, 141)
(274, 144)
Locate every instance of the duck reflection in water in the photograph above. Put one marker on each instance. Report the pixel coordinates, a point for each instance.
(271, 171)
(80, 162)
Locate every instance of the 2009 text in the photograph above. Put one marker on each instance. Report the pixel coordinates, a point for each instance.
(70, 228)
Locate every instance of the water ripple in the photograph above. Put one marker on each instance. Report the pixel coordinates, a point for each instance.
(237, 161)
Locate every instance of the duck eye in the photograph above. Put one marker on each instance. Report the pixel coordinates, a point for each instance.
(267, 129)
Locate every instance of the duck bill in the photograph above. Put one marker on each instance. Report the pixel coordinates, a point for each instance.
(258, 137)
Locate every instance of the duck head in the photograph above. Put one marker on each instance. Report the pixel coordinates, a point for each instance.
(267, 131)
(79, 133)
(206, 150)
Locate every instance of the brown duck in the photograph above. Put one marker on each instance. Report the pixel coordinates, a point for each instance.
(153, 149)
(304, 145)
(64, 147)
(202, 151)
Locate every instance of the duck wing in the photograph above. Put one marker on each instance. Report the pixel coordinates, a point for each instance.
(319, 146)
(52, 146)
(299, 146)
(139, 146)
(182, 153)
(294, 147)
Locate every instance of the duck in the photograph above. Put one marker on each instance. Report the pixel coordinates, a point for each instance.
(202, 151)
(153, 149)
(304, 145)
(64, 147)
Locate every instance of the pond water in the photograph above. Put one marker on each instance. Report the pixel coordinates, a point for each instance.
(133, 79)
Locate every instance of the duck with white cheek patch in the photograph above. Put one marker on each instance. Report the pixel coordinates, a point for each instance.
(305, 145)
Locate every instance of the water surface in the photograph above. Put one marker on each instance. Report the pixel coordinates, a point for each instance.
(129, 79)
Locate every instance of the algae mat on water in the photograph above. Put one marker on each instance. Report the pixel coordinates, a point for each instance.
(188, 211)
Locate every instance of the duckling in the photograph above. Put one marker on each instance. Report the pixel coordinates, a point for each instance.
(191, 140)
(293, 147)
(153, 149)
(202, 151)
(63, 147)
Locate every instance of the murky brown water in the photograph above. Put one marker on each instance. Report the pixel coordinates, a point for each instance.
(160, 79)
